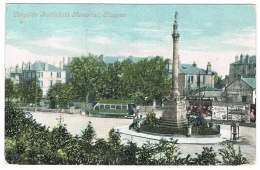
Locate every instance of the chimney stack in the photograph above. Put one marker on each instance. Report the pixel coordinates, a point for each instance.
(16, 68)
(22, 65)
(46, 66)
(247, 59)
(236, 59)
(63, 61)
(241, 58)
(194, 64)
(209, 70)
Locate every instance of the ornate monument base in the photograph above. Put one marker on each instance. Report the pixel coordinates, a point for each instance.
(174, 113)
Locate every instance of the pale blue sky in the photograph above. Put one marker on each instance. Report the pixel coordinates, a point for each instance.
(208, 33)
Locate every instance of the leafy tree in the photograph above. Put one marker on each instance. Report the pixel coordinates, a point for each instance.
(9, 89)
(129, 154)
(61, 94)
(150, 119)
(171, 152)
(89, 133)
(85, 76)
(59, 137)
(231, 157)
(27, 142)
(217, 80)
(145, 154)
(139, 98)
(206, 157)
(100, 155)
(13, 120)
(75, 152)
(26, 138)
(29, 92)
(114, 137)
(152, 79)
(115, 149)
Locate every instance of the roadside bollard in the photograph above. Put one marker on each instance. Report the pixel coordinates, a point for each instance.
(189, 130)
(234, 131)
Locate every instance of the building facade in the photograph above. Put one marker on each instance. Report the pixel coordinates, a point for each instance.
(244, 67)
(46, 74)
(241, 91)
(191, 77)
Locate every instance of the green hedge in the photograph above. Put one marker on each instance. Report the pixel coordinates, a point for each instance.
(207, 131)
(199, 127)
(163, 129)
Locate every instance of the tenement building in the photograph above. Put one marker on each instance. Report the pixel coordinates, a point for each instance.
(244, 67)
(191, 77)
(46, 74)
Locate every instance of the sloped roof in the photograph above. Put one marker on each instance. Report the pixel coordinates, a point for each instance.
(216, 93)
(208, 88)
(250, 81)
(251, 59)
(190, 69)
(41, 66)
(113, 59)
(19, 70)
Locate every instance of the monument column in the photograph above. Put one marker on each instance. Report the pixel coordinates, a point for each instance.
(175, 57)
(174, 110)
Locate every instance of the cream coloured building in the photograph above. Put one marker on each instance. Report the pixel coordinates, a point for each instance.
(47, 74)
(191, 77)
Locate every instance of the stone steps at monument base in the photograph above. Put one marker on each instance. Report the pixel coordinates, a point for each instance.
(174, 123)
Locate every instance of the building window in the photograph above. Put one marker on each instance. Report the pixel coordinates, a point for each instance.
(58, 74)
(190, 79)
(51, 83)
(198, 80)
(243, 98)
(39, 74)
(40, 84)
(203, 77)
(26, 75)
(51, 74)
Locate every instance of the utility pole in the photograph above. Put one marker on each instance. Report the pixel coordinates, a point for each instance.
(199, 89)
(35, 94)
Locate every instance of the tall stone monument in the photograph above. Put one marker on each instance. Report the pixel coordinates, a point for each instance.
(174, 110)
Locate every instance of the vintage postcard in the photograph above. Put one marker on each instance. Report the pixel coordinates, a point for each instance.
(130, 84)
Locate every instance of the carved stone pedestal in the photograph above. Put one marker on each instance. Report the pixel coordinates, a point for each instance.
(174, 114)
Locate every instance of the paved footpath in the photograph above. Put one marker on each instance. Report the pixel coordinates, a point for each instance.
(191, 145)
(124, 130)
